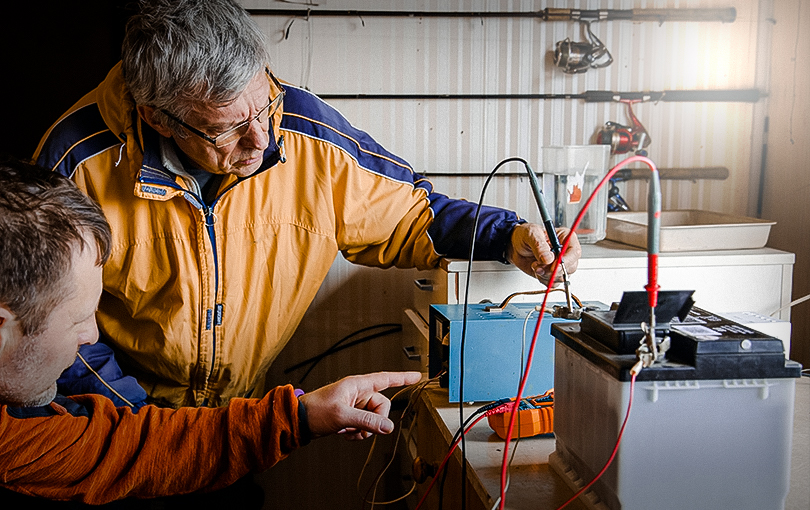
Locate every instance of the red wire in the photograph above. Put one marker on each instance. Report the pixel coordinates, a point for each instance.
(615, 448)
(447, 457)
(500, 409)
(555, 267)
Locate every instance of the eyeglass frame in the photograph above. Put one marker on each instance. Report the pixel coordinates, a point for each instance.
(213, 140)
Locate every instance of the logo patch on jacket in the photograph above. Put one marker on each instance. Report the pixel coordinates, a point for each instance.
(151, 189)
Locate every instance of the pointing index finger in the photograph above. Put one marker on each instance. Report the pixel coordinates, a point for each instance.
(379, 381)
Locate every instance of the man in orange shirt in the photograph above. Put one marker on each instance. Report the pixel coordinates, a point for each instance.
(54, 241)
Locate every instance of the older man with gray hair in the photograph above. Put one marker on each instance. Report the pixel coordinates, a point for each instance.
(230, 194)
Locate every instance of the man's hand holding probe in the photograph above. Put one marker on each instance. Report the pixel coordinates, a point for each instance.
(354, 406)
(530, 250)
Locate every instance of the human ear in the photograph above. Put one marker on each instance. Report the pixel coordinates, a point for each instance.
(147, 113)
(5, 315)
(8, 326)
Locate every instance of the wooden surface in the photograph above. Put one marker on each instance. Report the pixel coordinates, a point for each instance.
(532, 482)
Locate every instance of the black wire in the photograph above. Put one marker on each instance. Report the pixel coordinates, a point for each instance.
(464, 325)
(441, 488)
(346, 346)
(336, 347)
(452, 442)
(307, 361)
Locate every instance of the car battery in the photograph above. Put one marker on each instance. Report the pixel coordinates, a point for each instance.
(710, 426)
(495, 349)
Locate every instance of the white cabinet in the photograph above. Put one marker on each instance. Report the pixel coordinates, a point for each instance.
(755, 280)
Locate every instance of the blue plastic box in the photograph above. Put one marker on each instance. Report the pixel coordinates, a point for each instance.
(495, 350)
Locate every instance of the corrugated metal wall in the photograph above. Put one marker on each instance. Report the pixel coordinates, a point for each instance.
(514, 56)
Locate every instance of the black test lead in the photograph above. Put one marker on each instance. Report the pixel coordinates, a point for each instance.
(553, 240)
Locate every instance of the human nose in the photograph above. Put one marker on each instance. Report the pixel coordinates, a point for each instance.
(257, 136)
(89, 335)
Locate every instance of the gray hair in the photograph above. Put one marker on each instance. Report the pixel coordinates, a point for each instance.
(44, 217)
(177, 53)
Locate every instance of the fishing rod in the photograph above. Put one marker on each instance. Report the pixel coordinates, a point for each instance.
(591, 96)
(723, 15)
(571, 56)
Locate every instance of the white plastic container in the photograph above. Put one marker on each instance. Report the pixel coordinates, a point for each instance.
(691, 444)
(573, 172)
(691, 230)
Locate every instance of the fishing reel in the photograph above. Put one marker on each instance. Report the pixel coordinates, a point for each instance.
(623, 139)
(578, 57)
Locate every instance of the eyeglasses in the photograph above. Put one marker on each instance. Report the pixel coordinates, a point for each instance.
(235, 133)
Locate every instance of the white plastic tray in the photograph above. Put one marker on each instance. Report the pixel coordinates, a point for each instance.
(691, 230)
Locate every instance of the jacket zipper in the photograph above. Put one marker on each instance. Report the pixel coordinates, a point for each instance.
(212, 315)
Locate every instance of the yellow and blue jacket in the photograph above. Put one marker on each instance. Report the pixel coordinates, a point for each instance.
(199, 299)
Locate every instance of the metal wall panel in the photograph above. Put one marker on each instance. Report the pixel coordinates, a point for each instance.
(514, 55)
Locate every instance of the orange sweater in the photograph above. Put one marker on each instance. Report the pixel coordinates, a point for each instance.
(83, 448)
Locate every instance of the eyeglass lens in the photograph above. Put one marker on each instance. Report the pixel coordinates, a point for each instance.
(241, 130)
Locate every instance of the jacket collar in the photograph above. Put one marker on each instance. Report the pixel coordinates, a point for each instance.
(118, 110)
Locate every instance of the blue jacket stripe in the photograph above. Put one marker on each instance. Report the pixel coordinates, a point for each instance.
(70, 406)
(75, 138)
(317, 119)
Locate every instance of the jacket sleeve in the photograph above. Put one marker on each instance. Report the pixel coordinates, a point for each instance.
(385, 213)
(433, 227)
(452, 227)
(418, 226)
(86, 449)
